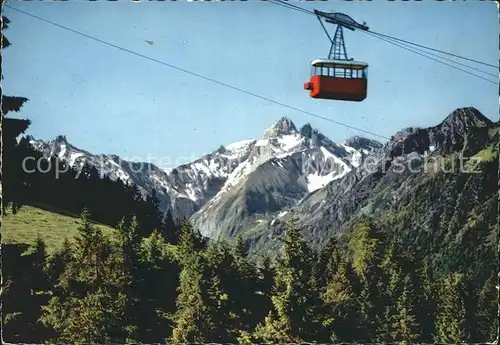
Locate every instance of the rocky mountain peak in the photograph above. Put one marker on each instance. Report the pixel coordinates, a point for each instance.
(464, 130)
(221, 149)
(284, 126)
(317, 139)
(306, 130)
(61, 139)
(359, 143)
(463, 119)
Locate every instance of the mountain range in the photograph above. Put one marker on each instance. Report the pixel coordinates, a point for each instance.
(252, 186)
(188, 188)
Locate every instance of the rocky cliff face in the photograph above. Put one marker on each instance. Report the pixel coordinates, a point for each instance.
(420, 176)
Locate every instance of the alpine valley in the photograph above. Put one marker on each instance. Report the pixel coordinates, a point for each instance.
(417, 181)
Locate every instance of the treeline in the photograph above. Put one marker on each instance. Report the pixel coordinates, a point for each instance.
(128, 289)
(48, 181)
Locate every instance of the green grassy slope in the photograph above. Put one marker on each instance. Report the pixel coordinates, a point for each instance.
(52, 226)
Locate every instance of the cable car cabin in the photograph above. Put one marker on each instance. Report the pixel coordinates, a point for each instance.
(343, 80)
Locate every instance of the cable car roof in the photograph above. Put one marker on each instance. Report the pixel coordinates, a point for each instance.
(338, 62)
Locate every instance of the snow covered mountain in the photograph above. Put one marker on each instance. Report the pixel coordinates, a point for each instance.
(277, 171)
(237, 183)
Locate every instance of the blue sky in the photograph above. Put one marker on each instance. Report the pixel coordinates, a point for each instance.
(109, 101)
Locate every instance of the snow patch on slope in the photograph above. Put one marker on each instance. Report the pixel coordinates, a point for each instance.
(316, 181)
(290, 142)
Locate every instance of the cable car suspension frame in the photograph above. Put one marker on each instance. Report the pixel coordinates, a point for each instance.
(338, 50)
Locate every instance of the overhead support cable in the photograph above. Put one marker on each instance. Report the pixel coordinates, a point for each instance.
(212, 80)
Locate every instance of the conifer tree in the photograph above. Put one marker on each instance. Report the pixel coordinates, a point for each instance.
(219, 278)
(187, 242)
(294, 317)
(153, 250)
(59, 260)
(487, 311)
(393, 267)
(451, 313)
(406, 328)
(341, 306)
(152, 219)
(39, 276)
(242, 288)
(90, 302)
(38, 281)
(192, 319)
(328, 262)
(263, 292)
(169, 228)
(240, 252)
(367, 246)
(157, 289)
(25, 288)
(190, 241)
(426, 291)
(129, 247)
(14, 178)
(130, 243)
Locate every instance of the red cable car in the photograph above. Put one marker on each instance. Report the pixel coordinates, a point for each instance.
(338, 78)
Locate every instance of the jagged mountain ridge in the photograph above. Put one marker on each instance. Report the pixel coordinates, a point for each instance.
(145, 176)
(187, 188)
(393, 184)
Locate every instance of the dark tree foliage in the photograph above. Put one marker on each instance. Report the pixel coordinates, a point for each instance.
(13, 176)
(122, 287)
(55, 186)
(24, 291)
